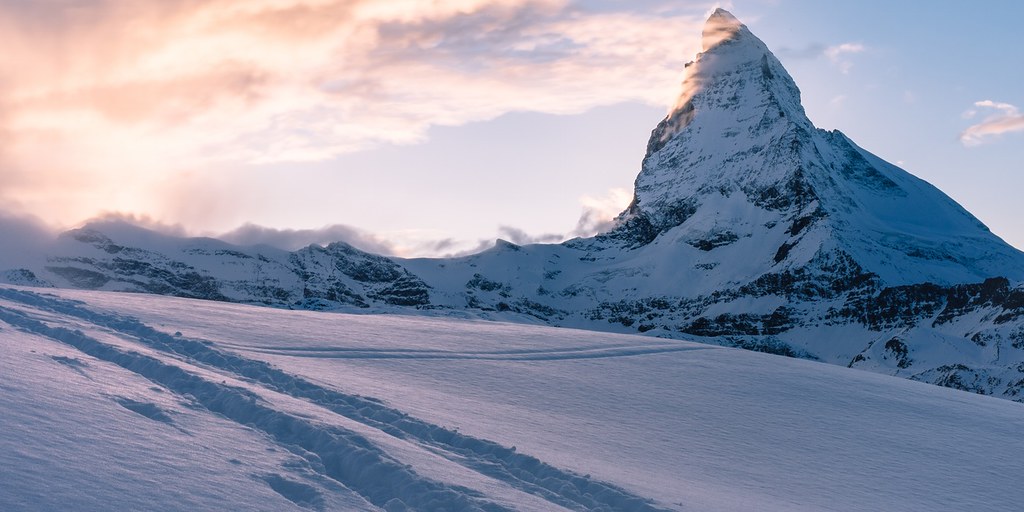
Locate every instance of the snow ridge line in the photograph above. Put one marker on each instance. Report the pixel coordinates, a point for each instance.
(521, 471)
(542, 355)
(344, 456)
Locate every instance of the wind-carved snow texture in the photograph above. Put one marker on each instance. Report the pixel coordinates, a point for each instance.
(749, 227)
(343, 455)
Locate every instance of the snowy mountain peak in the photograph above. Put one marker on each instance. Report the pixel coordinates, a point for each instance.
(737, 166)
(733, 59)
(721, 26)
(737, 100)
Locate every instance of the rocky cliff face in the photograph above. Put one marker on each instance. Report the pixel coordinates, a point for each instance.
(749, 227)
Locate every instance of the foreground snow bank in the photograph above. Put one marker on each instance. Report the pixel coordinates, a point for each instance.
(145, 402)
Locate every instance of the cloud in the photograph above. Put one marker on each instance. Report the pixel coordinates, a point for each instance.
(481, 245)
(837, 101)
(599, 213)
(1005, 108)
(1007, 118)
(102, 100)
(520, 237)
(246, 235)
(140, 220)
(292, 239)
(24, 240)
(809, 52)
(836, 54)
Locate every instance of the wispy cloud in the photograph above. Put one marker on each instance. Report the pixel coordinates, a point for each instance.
(599, 212)
(293, 239)
(597, 215)
(1006, 118)
(837, 101)
(101, 99)
(26, 239)
(838, 55)
(521, 237)
(809, 52)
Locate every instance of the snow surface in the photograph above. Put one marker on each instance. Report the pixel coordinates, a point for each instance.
(122, 401)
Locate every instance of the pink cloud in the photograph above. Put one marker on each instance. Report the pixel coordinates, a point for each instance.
(103, 102)
(1007, 118)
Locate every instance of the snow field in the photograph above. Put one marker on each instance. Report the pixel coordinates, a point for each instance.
(390, 412)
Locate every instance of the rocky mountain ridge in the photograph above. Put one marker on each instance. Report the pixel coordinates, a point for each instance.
(749, 227)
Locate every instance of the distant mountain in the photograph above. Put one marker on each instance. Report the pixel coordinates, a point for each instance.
(749, 227)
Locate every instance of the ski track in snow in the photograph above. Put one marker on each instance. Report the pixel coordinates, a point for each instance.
(343, 455)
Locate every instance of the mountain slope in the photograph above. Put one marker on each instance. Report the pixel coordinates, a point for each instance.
(749, 227)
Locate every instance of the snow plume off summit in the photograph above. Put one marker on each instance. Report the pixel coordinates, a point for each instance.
(749, 227)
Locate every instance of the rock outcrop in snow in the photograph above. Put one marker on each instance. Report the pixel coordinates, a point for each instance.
(749, 227)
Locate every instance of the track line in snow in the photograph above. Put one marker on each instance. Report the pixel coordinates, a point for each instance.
(305, 496)
(521, 471)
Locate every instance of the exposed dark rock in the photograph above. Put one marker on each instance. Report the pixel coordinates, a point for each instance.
(898, 306)
(632, 231)
(768, 345)
(636, 228)
(961, 299)
(715, 240)
(783, 251)
(668, 127)
(24, 277)
(80, 277)
(962, 377)
(725, 324)
(479, 282)
(407, 290)
(898, 350)
(856, 359)
(363, 267)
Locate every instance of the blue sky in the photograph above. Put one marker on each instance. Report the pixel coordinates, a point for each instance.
(431, 128)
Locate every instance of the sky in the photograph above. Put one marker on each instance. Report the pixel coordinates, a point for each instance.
(432, 127)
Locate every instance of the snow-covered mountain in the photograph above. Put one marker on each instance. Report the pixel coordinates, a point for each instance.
(749, 227)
